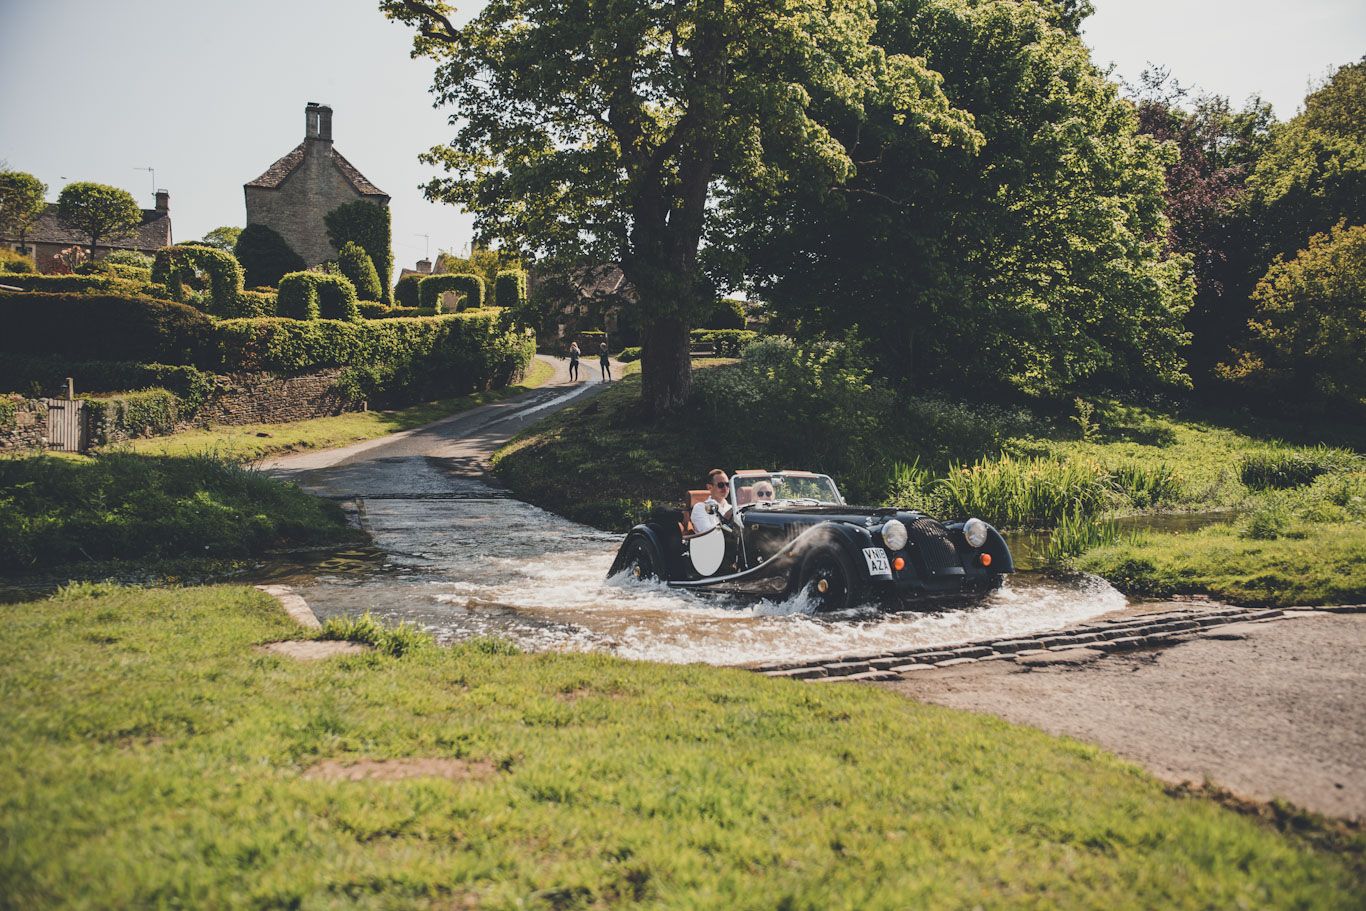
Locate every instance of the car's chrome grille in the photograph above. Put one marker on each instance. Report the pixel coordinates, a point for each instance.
(936, 549)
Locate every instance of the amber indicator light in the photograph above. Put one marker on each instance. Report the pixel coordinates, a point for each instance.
(899, 564)
(986, 559)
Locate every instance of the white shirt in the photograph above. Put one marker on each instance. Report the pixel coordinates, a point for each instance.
(702, 520)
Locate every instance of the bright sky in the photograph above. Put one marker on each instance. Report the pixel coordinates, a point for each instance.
(210, 94)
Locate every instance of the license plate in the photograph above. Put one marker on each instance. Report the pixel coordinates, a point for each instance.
(877, 561)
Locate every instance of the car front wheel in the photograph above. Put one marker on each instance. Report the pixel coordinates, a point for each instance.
(828, 579)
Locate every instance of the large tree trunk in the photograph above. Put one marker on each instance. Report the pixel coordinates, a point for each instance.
(666, 367)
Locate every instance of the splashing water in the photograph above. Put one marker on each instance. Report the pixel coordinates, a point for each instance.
(477, 567)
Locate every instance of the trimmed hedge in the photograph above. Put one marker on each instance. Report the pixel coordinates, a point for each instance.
(314, 295)
(432, 287)
(57, 284)
(19, 373)
(372, 310)
(103, 327)
(369, 226)
(255, 303)
(12, 261)
(147, 413)
(509, 289)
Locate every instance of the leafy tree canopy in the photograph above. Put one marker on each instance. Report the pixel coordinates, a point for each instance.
(224, 238)
(1308, 333)
(1037, 261)
(597, 131)
(21, 202)
(98, 211)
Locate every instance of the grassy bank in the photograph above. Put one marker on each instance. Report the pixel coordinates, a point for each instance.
(154, 757)
(124, 506)
(1071, 471)
(248, 442)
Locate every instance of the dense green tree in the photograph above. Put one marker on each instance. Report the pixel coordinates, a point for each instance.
(1309, 175)
(368, 225)
(1035, 262)
(21, 202)
(223, 238)
(357, 266)
(1212, 150)
(98, 211)
(597, 131)
(266, 257)
(1307, 336)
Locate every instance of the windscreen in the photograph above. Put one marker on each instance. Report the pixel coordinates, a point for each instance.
(778, 488)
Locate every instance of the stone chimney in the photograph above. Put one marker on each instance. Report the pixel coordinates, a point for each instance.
(424, 266)
(318, 122)
(163, 201)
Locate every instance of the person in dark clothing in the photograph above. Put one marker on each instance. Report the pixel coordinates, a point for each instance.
(605, 363)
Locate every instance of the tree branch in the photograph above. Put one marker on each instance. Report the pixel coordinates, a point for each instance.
(440, 30)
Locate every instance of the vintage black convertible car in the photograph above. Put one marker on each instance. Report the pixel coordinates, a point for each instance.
(791, 531)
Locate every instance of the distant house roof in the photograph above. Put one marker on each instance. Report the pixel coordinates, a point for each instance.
(279, 172)
(153, 234)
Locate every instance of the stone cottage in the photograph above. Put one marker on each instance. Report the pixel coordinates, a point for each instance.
(47, 237)
(298, 190)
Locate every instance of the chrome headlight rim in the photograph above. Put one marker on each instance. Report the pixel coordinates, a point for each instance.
(975, 531)
(894, 534)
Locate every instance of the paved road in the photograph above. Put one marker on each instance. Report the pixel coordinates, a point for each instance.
(1274, 709)
(446, 457)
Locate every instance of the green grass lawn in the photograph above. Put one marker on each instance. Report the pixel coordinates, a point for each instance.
(248, 442)
(153, 757)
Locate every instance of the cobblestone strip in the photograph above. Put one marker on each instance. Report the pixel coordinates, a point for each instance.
(1154, 630)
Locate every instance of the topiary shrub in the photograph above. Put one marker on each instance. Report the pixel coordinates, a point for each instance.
(433, 286)
(509, 289)
(372, 310)
(369, 226)
(314, 295)
(13, 261)
(129, 258)
(406, 293)
(174, 264)
(357, 266)
(729, 314)
(265, 256)
(254, 303)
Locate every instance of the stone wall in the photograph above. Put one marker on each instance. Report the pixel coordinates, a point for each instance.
(264, 398)
(26, 427)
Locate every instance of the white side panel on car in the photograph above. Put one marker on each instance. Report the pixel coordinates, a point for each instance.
(707, 551)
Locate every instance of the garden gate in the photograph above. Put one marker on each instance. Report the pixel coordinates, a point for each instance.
(67, 428)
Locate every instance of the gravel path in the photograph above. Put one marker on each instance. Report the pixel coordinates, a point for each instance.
(1267, 709)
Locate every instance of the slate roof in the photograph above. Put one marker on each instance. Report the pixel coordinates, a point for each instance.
(153, 234)
(277, 173)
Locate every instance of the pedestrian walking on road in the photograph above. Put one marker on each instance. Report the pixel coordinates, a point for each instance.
(573, 362)
(605, 363)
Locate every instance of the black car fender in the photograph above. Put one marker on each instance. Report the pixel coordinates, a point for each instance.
(650, 534)
(1001, 560)
(851, 539)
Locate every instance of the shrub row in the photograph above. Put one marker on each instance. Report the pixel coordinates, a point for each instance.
(149, 412)
(315, 295)
(20, 373)
(430, 289)
(447, 354)
(174, 264)
(725, 342)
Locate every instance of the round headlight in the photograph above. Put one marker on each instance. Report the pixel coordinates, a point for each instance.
(894, 535)
(975, 530)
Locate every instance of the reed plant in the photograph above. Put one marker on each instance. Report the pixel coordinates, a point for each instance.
(1018, 493)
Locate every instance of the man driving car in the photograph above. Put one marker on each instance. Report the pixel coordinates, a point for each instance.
(716, 507)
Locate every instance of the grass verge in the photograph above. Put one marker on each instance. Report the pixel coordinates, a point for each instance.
(248, 442)
(124, 506)
(154, 757)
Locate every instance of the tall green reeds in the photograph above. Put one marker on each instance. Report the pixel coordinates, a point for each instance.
(1018, 493)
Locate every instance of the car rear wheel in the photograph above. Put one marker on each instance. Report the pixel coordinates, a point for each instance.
(828, 579)
(642, 560)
